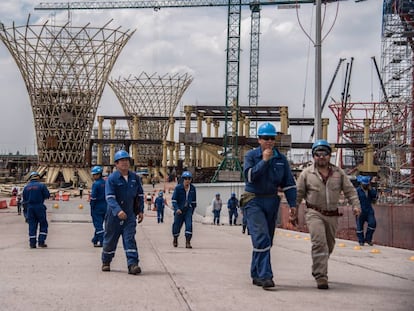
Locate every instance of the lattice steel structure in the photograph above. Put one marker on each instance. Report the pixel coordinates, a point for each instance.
(150, 96)
(65, 69)
(397, 75)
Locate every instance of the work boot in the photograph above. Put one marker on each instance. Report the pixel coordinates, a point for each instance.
(175, 241)
(268, 283)
(188, 244)
(322, 283)
(106, 267)
(43, 245)
(370, 243)
(134, 269)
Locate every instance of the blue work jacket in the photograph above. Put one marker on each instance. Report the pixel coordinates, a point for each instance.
(366, 199)
(121, 194)
(35, 193)
(180, 201)
(266, 177)
(98, 193)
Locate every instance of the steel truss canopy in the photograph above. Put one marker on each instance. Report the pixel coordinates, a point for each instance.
(101, 5)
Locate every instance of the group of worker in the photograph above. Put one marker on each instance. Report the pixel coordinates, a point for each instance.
(117, 205)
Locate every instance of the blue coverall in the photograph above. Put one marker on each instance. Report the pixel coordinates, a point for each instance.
(232, 205)
(98, 209)
(263, 178)
(367, 215)
(34, 195)
(121, 195)
(186, 204)
(160, 205)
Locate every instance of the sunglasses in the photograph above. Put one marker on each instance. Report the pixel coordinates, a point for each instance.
(267, 137)
(321, 154)
(187, 178)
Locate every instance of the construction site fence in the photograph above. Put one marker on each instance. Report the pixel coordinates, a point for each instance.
(395, 224)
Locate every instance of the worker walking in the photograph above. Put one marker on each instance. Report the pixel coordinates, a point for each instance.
(367, 196)
(98, 205)
(232, 206)
(216, 206)
(159, 204)
(125, 199)
(184, 201)
(266, 170)
(34, 195)
(320, 185)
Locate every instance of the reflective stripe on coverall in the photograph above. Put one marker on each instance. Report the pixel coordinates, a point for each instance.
(120, 195)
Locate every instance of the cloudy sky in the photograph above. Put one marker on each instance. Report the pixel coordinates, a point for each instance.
(193, 40)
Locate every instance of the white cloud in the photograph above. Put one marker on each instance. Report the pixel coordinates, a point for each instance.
(193, 40)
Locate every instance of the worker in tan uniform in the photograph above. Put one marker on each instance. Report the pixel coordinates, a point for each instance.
(321, 185)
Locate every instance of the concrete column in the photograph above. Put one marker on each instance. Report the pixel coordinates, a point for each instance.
(209, 121)
(171, 123)
(284, 119)
(177, 153)
(112, 146)
(99, 160)
(247, 126)
(198, 160)
(164, 154)
(325, 123)
(187, 148)
(135, 135)
(216, 128)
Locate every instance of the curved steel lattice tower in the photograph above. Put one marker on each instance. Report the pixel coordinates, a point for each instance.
(65, 69)
(154, 99)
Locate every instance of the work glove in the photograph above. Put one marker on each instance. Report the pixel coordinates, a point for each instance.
(293, 216)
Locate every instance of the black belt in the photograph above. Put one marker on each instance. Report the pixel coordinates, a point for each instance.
(324, 212)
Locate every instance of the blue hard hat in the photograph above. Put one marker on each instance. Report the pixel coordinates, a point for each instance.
(363, 179)
(233, 195)
(266, 129)
(187, 174)
(121, 154)
(217, 194)
(160, 193)
(321, 144)
(96, 170)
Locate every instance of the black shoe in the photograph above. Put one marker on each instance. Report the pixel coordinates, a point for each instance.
(268, 283)
(175, 241)
(32, 246)
(134, 269)
(43, 245)
(106, 267)
(370, 243)
(361, 244)
(97, 244)
(257, 282)
(322, 284)
(188, 244)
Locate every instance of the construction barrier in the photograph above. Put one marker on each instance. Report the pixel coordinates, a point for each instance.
(3, 204)
(13, 201)
(65, 197)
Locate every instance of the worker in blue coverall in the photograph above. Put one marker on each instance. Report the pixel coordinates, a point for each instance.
(160, 205)
(34, 195)
(184, 201)
(125, 199)
(266, 170)
(232, 205)
(98, 205)
(367, 196)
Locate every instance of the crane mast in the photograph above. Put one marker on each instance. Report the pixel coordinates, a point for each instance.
(231, 163)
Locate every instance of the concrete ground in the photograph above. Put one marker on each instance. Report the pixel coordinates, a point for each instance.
(214, 275)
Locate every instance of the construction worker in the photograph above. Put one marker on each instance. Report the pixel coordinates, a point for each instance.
(159, 204)
(184, 201)
(98, 205)
(34, 195)
(125, 199)
(367, 196)
(216, 206)
(320, 185)
(232, 205)
(266, 170)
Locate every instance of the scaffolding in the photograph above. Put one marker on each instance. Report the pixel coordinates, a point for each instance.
(153, 99)
(65, 69)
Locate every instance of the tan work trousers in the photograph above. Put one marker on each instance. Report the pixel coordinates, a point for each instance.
(322, 231)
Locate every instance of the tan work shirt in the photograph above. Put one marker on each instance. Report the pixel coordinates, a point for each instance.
(310, 186)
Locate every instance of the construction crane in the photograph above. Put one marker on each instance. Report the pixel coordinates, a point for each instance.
(231, 160)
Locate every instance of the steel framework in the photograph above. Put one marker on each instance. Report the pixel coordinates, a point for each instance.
(65, 69)
(149, 96)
